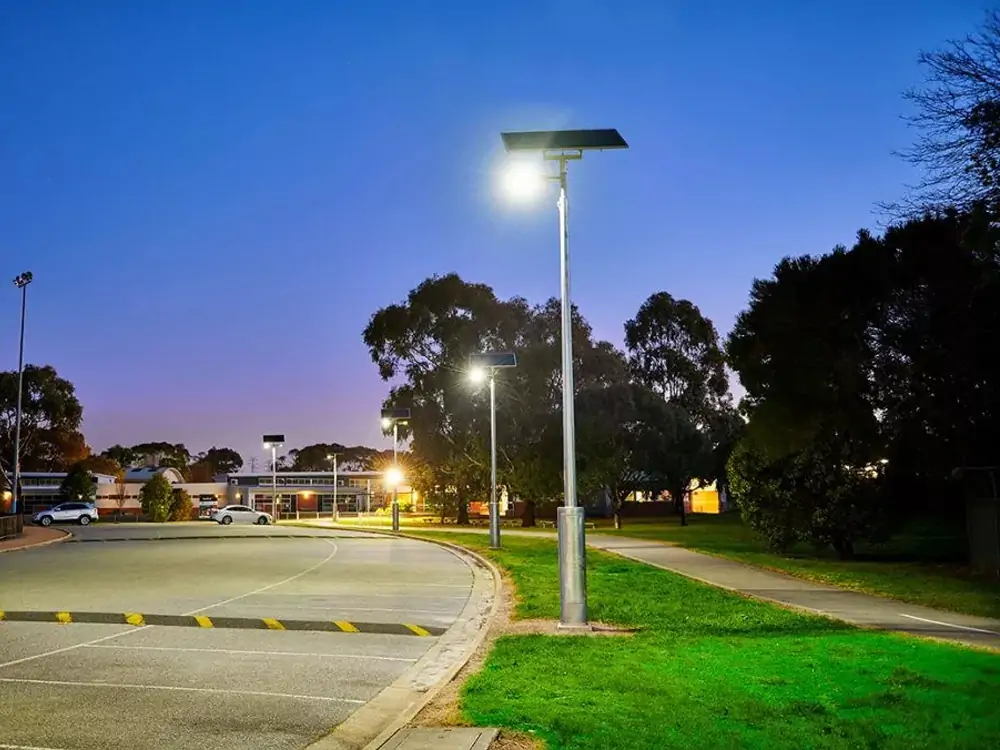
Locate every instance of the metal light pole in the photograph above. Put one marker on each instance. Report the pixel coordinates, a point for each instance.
(336, 509)
(21, 282)
(395, 486)
(394, 418)
(274, 442)
(486, 365)
(570, 517)
(564, 146)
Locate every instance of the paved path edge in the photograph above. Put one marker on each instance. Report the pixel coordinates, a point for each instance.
(372, 725)
(66, 536)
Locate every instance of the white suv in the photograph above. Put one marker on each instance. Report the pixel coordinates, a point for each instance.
(81, 513)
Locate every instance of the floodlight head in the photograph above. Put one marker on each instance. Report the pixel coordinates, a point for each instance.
(523, 179)
(386, 423)
(477, 375)
(563, 140)
(394, 476)
(22, 280)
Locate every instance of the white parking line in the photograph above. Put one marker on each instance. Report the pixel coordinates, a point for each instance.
(27, 747)
(262, 589)
(64, 649)
(254, 653)
(950, 625)
(174, 688)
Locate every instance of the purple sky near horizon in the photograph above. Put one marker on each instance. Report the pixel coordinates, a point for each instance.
(214, 197)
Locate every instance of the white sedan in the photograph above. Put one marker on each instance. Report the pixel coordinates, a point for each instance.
(241, 514)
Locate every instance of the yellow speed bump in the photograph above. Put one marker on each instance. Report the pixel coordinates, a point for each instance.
(149, 619)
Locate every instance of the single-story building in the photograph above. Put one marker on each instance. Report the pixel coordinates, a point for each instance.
(309, 492)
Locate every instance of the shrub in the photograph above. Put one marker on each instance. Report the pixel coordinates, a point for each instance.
(820, 495)
(180, 506)
(155, 497)
(761, 490)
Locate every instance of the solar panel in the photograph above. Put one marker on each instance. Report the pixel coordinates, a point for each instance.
(395, 414)
(551, 140)
(493, 359)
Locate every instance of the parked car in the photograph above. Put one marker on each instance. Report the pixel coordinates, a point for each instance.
(81, 513)
(241, 514)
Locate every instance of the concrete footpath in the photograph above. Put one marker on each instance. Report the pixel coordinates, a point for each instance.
(34, 536)
(865, 610)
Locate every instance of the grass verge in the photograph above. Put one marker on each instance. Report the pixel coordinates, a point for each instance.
(709, 669)
(900, 570)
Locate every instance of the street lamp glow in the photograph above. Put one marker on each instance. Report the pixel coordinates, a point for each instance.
(393, 477)
(386, 423)
(477, 375)
(523, 179)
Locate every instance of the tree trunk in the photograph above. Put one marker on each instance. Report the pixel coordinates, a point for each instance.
(679, 507)
(528, 515)
(618, 519)
(844, 549)
(463, 512)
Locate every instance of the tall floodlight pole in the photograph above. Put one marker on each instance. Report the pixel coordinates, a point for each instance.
(563, 146)
(394, 418)
(21, 282)
(274, 442)
(485, 366)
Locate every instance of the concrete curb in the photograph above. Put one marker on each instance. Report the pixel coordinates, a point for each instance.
(372, 725)
(66, 536)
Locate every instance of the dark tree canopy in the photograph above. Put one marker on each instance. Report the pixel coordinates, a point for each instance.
(958, 123)
(674, 350)
(423, 345)
(214, 462)
(878, 357)
(319, 457)
(50, 423)
(78, 485)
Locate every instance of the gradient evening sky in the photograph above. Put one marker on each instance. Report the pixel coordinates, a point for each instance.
(215, 196)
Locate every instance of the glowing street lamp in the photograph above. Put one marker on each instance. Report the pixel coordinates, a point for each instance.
(394, 418)
(483, 367)
(562, 146)
(393, 476)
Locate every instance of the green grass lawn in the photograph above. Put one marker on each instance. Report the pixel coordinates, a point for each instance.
(913, 567)
(709, 669)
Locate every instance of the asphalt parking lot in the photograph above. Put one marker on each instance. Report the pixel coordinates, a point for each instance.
(274, 640)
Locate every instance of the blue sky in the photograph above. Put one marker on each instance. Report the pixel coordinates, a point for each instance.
(215, 196)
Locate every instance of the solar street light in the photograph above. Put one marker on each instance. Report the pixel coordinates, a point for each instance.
(563, 146)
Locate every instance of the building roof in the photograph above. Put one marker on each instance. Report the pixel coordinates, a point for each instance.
(145, 473)
(60, 475)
